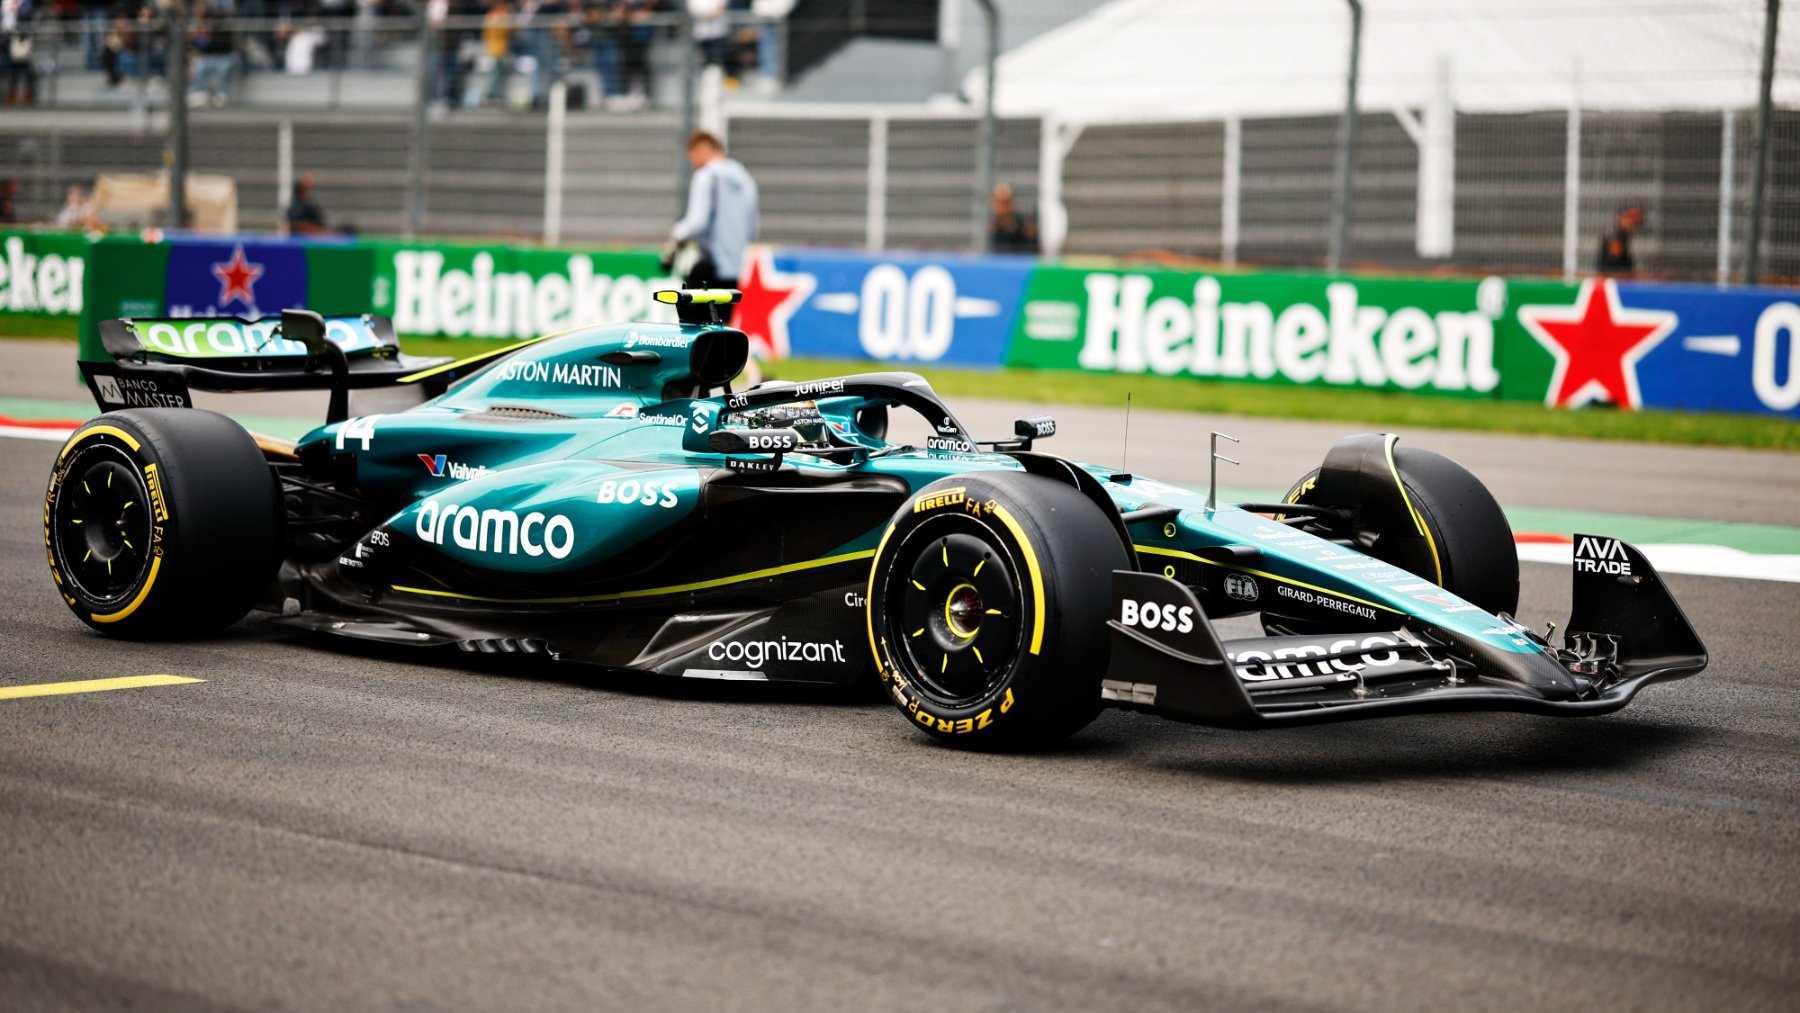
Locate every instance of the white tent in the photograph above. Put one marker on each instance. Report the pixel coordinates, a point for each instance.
(1208, 59)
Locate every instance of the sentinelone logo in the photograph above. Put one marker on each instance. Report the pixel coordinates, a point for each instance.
(428, 299)
(1346, 343)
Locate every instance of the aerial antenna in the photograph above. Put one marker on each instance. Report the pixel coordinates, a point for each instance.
(1212, 485)
(1125, 449)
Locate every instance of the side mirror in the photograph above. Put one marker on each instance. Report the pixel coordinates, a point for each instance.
(1035, 427)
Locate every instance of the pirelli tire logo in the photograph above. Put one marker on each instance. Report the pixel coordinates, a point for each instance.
(953, 497)
(1601, 555)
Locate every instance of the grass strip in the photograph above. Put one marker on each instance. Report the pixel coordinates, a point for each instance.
(1369, 408)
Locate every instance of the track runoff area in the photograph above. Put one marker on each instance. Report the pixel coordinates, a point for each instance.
(260, 821)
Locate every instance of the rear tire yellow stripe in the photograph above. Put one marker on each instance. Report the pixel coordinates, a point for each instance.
(130, 440)
(144, 592)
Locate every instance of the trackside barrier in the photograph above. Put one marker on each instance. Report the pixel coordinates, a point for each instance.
(1601, 342)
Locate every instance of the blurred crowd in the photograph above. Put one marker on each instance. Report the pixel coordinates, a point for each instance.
(481, 52)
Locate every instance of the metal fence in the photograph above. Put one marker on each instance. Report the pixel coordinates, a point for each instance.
(1521, 192)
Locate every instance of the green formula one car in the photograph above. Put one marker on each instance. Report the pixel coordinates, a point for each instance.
(603, 496)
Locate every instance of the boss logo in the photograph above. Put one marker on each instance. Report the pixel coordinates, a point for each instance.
(770, 441)
(1155, 616)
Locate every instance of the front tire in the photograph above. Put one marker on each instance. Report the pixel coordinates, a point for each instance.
(988, 602)
(1446, 528)
(161, 522)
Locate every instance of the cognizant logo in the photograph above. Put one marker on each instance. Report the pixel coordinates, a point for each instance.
(499, 531)
(755, 652)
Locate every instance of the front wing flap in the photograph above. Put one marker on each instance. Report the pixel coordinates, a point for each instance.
(1625, 632)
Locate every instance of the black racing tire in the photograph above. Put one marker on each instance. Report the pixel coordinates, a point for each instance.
(987, 608)
(162, 523)
(1470, 549)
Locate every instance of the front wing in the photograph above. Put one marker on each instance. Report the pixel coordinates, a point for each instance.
(1625, 632)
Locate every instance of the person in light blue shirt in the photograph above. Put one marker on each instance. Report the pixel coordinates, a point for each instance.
(708, 244)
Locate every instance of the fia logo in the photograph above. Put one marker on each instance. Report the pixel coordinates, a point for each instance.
(1241, 587)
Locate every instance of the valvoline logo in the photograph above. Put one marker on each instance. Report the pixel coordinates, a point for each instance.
(441, 466)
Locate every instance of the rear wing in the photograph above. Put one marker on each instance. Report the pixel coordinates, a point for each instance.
(156, 362)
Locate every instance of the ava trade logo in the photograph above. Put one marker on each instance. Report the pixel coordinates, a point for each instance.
(770, 298)
(237, 278)
(1597, 344)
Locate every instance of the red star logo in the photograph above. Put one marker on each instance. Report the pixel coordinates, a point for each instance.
(770, 298)
(237, 277)
(1597, 344)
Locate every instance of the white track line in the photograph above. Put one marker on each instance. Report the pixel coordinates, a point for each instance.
(35, 433)
(1702, 560)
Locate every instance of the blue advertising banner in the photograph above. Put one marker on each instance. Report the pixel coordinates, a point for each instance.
(898, 308)
(232, 278)
(1735, 350)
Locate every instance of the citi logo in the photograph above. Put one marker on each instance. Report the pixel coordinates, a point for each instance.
(442, 467)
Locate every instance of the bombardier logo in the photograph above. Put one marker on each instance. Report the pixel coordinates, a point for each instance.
(1601, 555)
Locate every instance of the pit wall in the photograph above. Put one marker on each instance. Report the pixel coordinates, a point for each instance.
(1612, 342)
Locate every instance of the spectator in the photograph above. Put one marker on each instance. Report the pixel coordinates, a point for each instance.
(546, 38)
(1009, 230)
(215, 55)
(9, 189)
(496, 48)
(1615, 246)
(605, 29)
(304, 216)
(15, 53)
(711, 30)
(448, 85)
(637, 87)
(119, 52)
(707, 245)
(300, 47)
(77, 211)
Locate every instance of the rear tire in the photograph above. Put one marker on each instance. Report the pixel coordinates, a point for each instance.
(988, 602)
(161, 522)
(1468, 547)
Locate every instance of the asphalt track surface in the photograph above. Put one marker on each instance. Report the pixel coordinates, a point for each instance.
(321, 826)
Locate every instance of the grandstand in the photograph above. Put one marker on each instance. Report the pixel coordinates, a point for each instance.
(1203, 130)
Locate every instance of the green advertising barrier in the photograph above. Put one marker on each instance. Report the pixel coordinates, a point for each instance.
(458, 290)
(126, 278)
(42, 273)
(1440, 337)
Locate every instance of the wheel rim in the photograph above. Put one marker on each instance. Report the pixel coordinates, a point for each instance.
(955, 624)
(103, 525)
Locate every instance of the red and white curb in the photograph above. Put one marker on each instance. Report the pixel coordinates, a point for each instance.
(53, 430)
